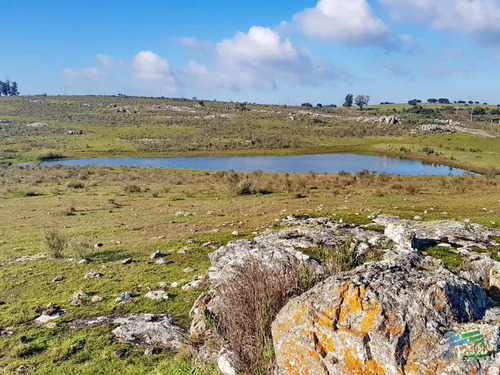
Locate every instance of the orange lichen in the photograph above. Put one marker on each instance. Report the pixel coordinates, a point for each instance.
(356, 367)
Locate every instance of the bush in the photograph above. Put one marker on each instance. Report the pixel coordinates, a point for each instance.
(249, 303)
(244, 188)
(55, 243)
(50, 155)
(76, 184)
(341, 257)
(132, 189)
(81, 249)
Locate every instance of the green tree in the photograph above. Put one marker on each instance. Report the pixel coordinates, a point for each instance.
(5, 88)
(479, 111)
(432, 100)
(348, 101)
(361, 101)
(14, 91)
(306, 105)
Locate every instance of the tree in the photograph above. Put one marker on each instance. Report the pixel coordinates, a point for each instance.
(306, 105)
(14, 91)
(432, 100)
(479, 111)
(361, 101)
(5, 88)
(319, 105)
(348, 101)
(414, 102)
(444, 101)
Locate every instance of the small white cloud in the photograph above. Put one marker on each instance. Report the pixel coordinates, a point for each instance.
(83, 74)
(260, 44)
(149, 65)
(394, 68)
(106, 60)
(350, 22)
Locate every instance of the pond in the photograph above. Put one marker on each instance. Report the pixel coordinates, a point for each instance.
(322, 163)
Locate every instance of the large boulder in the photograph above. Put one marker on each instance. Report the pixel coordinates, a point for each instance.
(385, 318)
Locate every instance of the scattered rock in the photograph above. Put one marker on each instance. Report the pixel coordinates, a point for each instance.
(175, 284)
(37, 125)
(93, 275)
(157, 254)
(123, 297)
(49, 313)
(163, 261)
(127, 261)
(58, 278)
(225, 362)
(188, 269)
(22, 368)
(156, 295)
(97, 298)
(83, 261)
(192, 284)
(211, 244)
(235, 233)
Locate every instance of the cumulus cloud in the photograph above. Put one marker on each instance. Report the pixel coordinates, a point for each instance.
(350, 22)
(260, 56)
(149, 65)
(465, 16)
(84, 74)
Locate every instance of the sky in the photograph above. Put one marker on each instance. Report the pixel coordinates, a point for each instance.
(280, 51)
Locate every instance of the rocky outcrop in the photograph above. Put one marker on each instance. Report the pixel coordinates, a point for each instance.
(384, 318)
(155, 331)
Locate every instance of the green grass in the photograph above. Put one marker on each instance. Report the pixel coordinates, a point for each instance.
(452, 260)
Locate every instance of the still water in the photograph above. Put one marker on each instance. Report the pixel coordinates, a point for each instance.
(323, 163)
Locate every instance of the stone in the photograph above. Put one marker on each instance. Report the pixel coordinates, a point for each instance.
(382, 318)
(495, 282)
(235, 233)
(193, 284)
(127, 261)
(188, 269)
(156, 255)
(225, 362)
(150, 331)
(175, 284)
(97, 298)
(211, 244)
(50, 313)
(163, 261)
(156, 295)
(93, 275)
(123, 297)
(83, 261)
(22, 368)
(58, 278)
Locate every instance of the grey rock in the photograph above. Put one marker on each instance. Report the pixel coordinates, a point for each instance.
(156, 295)
(225, 362)
(123, 297)
(150, 331)
(163, 261)
(127, 261)
(156, 255)
(58, 278)
(93, 275)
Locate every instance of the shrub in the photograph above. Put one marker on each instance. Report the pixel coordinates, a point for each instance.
(81, 248)
(249, 303)
(244, 188)
(132, 189)
(55, 243)
(50, 155)
(341, 257)
(76, 184)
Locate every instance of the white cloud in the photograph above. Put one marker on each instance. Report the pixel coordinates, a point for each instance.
(394, 68)
(107, 60)
(465, 16)
(260, 57)
(347, 21)
(84, 74)
(149, 65)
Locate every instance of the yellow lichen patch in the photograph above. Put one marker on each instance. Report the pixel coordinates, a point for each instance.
(353, 303)
(355, 366)
(392, 326)
(301, 362)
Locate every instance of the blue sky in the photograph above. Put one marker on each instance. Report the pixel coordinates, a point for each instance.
(279, 51)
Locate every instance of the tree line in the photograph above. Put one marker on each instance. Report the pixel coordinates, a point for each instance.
(8, 88)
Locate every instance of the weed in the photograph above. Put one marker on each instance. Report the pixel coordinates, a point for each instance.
(55, 243)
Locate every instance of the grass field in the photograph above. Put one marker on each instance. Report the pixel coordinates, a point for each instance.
(134, 212)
